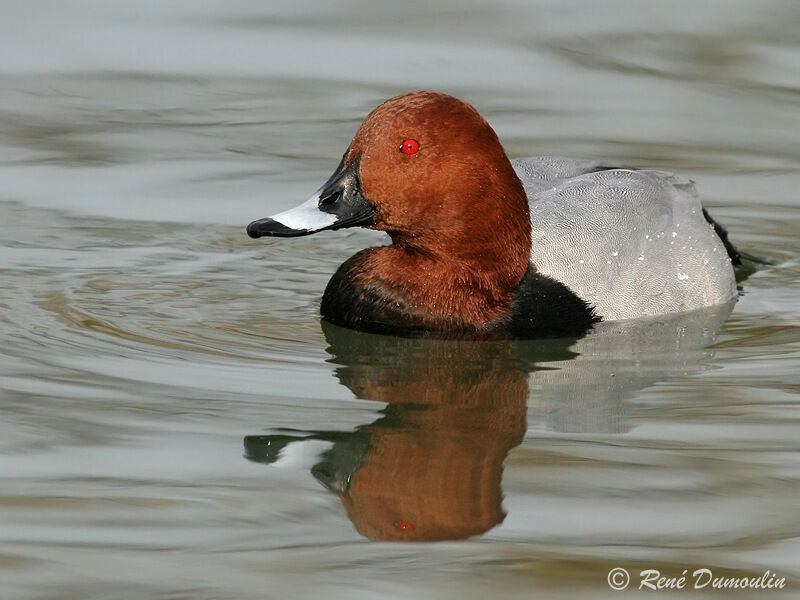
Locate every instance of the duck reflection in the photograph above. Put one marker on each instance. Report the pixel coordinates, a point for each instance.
(430, 467)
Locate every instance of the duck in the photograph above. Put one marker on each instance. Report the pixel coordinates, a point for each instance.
(487, 247)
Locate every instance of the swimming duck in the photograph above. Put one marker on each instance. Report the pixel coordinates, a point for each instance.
(484, 246)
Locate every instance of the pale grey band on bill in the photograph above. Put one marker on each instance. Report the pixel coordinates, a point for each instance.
(307, 216)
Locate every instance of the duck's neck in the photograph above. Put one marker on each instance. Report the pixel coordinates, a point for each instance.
(484, 265)
(451, 286)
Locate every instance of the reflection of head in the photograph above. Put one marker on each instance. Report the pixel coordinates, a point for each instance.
(435, 460)
(420, 485)
(433, 469)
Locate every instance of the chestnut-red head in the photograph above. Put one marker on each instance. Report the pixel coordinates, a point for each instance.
(438, 176)
(429, 170)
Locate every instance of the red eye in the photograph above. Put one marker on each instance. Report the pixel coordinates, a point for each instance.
(409, 147)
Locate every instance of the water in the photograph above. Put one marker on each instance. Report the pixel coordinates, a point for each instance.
(175, 421)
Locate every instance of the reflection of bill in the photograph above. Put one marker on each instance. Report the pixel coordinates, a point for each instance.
(430, 467)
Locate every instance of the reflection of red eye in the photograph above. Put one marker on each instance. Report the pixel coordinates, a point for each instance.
(409, 147)
(404, 525)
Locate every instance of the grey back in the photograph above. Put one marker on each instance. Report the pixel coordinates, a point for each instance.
(632, 243)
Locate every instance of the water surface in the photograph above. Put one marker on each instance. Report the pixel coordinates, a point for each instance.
(176, 422)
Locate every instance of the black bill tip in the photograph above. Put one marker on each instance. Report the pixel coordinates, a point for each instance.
(271, 227)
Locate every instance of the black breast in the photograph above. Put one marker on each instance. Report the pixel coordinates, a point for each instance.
(544, 307)
(541, 307)
(369, 307)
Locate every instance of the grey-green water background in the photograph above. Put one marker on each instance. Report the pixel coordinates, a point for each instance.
(146, 340)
